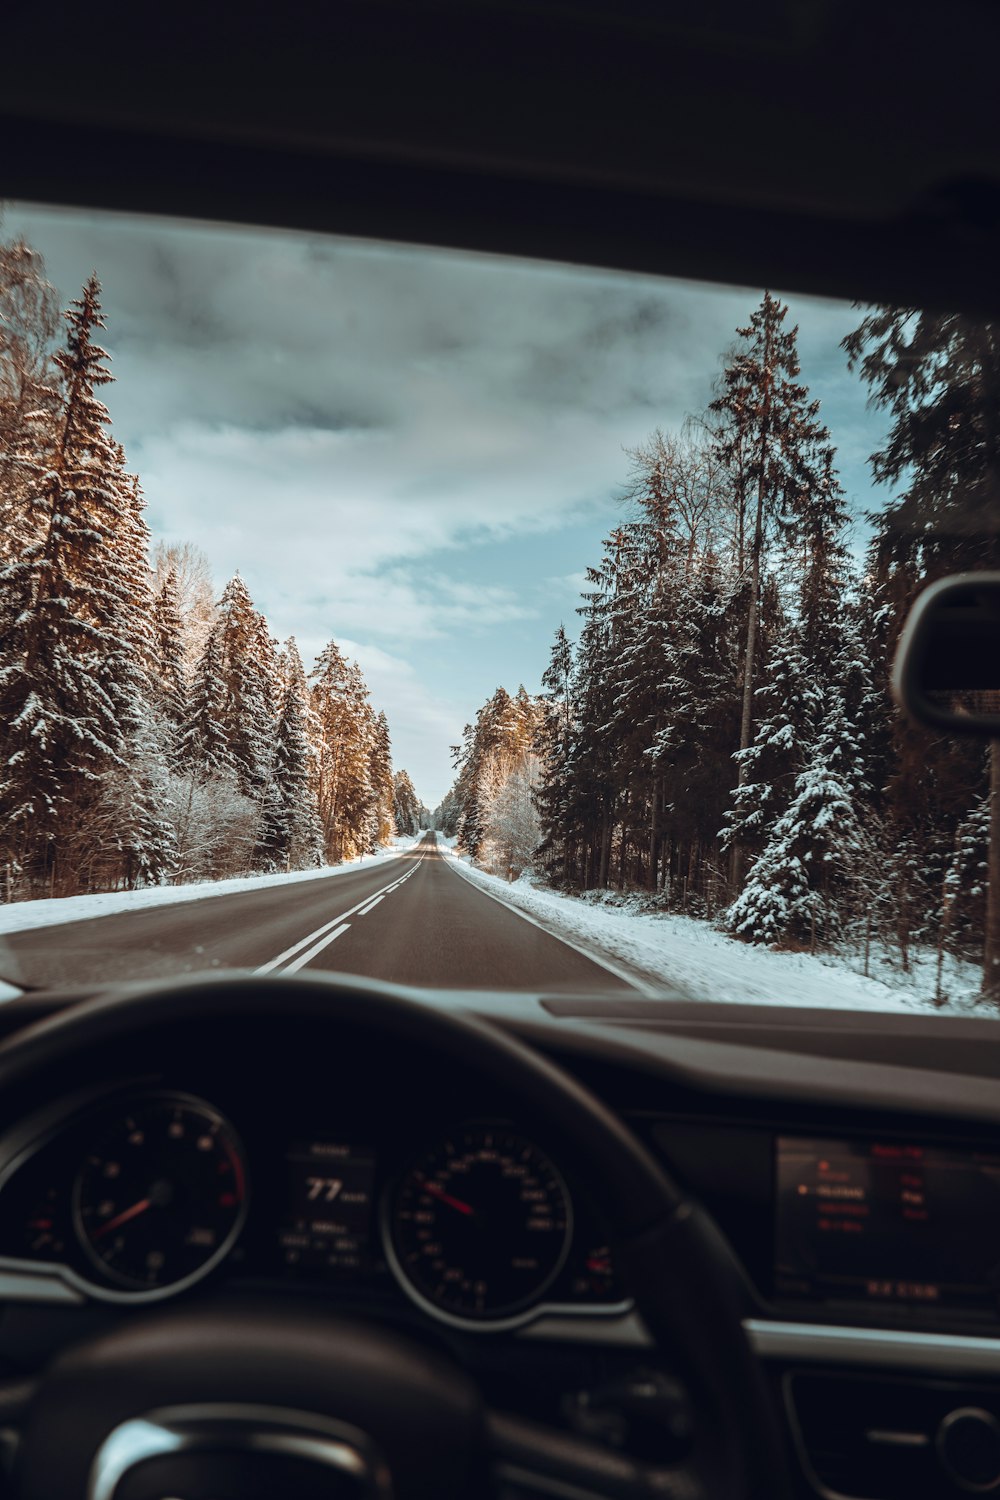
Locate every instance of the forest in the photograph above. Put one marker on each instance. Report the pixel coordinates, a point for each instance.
(149, 732)
(718, 732)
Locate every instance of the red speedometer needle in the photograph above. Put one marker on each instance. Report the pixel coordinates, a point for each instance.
(123, 1218)
(455, 1203)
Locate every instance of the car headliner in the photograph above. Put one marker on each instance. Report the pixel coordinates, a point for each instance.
(838, 147)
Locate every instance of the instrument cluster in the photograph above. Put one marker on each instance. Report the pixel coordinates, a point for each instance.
(141, 1195)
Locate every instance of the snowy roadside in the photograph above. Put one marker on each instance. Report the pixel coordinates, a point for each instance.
(23, 916)
(692, 956)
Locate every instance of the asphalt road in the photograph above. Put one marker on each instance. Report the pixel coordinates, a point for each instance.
(411, 920)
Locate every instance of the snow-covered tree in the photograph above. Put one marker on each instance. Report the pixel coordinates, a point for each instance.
(169, 676)
(74, 625)
(204, 744)
(513, 830)
(768, 436)
(192, 572)
(29, 398)
(344, 728)
(383, 828)
(800, 886)
(290, 836)
(937, 377)
(406, 804)
(249, 672)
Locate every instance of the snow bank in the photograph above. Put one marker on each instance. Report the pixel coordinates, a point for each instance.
(22, 916)
(690, 955)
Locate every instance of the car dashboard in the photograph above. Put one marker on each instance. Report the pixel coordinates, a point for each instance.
(296, 1190)
(859, 1196)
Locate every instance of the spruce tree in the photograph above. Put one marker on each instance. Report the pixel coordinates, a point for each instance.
(554, 741)
(406, 804)
(345, 729)
(204, 744)
(169, 677)
(802, 884)
(249, 673)
(768, 436)
(380, 773)
(69, 626)
(290, 836)
(29, 398)
(937, 376)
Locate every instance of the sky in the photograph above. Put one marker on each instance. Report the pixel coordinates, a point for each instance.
(415, 452)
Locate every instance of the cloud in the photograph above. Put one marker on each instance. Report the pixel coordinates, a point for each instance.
(393, 444)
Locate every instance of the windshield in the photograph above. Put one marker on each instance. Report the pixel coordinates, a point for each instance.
(466, 622)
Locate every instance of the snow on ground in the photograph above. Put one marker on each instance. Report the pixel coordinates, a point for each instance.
(690, 955)
(22, 916)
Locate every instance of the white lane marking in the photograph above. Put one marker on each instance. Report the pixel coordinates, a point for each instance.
(311, 937)
(324, 942)
(604, 963)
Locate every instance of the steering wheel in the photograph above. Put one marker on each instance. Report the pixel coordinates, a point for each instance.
(214, 1401)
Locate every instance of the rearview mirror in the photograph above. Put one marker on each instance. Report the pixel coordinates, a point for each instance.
(947, 671)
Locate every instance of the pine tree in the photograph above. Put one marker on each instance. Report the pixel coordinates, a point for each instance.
(406, 805)
(696, 725)
(383, 791)
(290, 836)
(937, 375)
(967, 880)
(344, 732)
(70, 623)
(136, 839)
(204, 745)
(29, 400)
(788, 708)
(249, 673)
(768, 436)
(802, 883)
(169, 676)
(554, 741)
(195, 594)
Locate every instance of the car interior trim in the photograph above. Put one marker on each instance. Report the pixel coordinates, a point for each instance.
(937, 1353)
(40, 1283)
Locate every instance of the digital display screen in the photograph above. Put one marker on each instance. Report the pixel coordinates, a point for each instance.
(881, 1221)
(328, 1218)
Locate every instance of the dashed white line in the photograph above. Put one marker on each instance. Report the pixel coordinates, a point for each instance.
(324, 942)
(282, 960)
(314, 942)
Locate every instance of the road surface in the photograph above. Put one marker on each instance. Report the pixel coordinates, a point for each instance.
(412, 920)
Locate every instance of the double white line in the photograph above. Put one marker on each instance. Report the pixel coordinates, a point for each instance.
(306, 948)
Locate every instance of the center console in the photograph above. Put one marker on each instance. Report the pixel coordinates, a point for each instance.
(873, 1268)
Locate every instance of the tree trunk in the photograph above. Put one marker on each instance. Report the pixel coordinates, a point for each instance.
(749, 665)
(654, 837)
(991, 946)
(605, 865)
(753, 622)
(691, 878)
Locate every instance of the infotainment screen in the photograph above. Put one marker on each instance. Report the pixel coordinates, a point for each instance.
(887, 1221)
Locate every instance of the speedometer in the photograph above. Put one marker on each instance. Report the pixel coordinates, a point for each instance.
(479, 1227)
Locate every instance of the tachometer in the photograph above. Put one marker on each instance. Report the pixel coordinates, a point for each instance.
(480, 1226)
(162, 1196)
